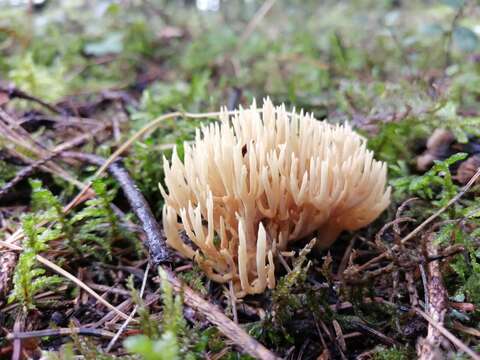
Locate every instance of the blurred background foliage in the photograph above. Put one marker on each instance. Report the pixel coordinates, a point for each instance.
(366, 62)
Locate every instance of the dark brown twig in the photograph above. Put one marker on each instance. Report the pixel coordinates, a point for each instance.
(364, 328)
(25, 172)
(30, 169)
(14, 92)
(155, 244)
(234, 97)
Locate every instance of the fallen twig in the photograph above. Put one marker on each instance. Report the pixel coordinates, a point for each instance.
(364, 328)
(255, 21)
(25, 172)
(13, 92)
(109, 289)
(23, 145)
(214, 315)
(157, 248)
(60, 332)
(456, 341)
(465, 329)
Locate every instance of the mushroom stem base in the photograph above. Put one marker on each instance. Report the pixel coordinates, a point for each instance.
(327, 235)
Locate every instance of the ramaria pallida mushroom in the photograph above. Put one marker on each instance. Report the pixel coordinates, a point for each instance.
(260, 179)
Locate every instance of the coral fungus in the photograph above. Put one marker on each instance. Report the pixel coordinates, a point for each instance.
(260, 179)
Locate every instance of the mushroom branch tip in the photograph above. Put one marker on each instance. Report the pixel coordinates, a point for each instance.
(260, 179)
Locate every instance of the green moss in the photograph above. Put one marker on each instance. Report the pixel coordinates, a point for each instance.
(30, 279)
(393, 353)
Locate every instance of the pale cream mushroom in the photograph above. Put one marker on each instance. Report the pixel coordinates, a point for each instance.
(260, 179)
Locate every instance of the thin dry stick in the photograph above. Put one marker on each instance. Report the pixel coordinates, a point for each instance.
(23, 140)
(132, 314)
(109, 289)
(60, 332)
(465, 329)
(412, 289)
(346, 257)
(257, 18)
(69, 276)
(423, 275)
(364, 328)
(22, 174)
(423, 224)
(155, 243)
(456, 341)
(14, 92)
(109, 317)
(46, 158)
(18, 234)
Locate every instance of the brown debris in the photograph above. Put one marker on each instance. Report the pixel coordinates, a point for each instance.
(467, 169)
(438, 146)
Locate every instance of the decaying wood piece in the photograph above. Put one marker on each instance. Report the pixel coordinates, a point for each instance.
(429, 347)
(452, 338)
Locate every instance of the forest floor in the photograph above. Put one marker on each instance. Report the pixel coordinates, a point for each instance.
(86, 81)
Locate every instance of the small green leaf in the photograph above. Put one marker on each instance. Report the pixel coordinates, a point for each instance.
(165, 348)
